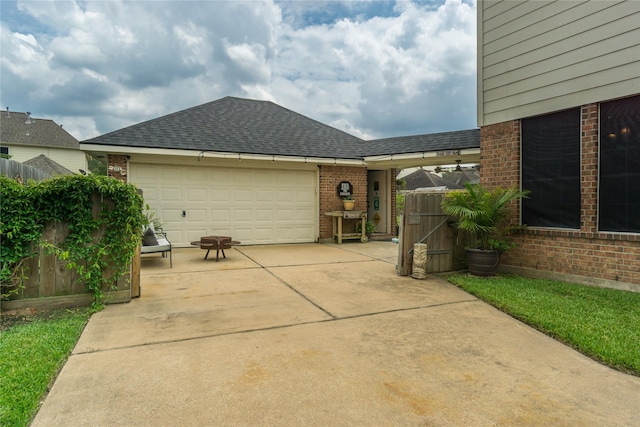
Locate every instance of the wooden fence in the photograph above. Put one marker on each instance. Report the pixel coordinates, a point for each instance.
(13, 169)
(424, 222)
(48, 283)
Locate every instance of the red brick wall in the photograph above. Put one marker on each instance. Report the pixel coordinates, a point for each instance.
(330, 177)
(500, 154)
(119, 160)
(585, 252)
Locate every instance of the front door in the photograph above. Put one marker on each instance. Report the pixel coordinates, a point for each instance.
(378, 211)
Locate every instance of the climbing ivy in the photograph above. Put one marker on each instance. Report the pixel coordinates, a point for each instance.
(99, 246)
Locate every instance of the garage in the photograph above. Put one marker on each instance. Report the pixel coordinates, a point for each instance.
(255, 206)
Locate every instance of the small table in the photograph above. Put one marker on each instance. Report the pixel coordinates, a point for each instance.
(219, 243)
(338, 216)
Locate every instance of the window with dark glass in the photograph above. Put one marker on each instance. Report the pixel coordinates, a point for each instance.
(4, 151)
(619, 186)
(551, 170)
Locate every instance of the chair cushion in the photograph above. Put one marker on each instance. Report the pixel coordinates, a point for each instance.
(149, 238)
(162, 246)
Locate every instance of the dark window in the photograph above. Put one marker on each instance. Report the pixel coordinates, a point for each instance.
(551, 170)
(4, 151)
(619, 189)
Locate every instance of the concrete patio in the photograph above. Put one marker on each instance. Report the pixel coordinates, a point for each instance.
(321, 335)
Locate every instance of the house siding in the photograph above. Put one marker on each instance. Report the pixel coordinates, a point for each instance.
(536, 57)
(585, 255)
(74, 160)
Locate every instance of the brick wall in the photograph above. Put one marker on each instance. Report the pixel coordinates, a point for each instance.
(119, 160)
(600, 258)
(330, 177)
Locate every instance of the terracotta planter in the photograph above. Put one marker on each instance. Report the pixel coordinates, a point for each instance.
(482, 262)
(348, 204)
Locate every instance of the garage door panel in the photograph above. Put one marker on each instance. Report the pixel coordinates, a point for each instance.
(220, 215)
(220, 194)
(149, 194)
(243, 235)
(264, 215)
(171, 215)
(284, 215)
(196, 195)
(301, 232)
(171, 194)
(172, 173)
(243, 195)
(304, 215)
(242, 177)
(263, 196)
(242, 215)
(197, 215)
(264, 234)
(219, 177)
(251, 205)
(196, 174)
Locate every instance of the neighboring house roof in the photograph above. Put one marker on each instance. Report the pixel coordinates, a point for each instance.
(47, 165)
(444, 141)
(460, 178)
(20, 129)
(240, 126)
(237, 125)
(425, 179)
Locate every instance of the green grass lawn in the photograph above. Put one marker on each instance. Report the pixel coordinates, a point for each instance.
(603, 324)
(32, 351)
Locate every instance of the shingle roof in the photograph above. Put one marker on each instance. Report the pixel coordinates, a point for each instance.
(47, 165)
(425, 179)
(14, 129)
(240, 126)
(455, 140)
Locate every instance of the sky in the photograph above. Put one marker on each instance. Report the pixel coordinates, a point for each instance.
(374, 69)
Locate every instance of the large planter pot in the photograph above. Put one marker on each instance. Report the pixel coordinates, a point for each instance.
(482, 262)
(348, 204)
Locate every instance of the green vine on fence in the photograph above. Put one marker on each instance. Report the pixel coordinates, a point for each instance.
(100, 243)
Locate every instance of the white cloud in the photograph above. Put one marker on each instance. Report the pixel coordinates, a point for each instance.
(373, 69)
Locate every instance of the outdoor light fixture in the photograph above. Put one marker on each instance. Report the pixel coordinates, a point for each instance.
(458, 168)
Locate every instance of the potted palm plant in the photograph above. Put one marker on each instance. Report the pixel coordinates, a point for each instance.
(484, 214)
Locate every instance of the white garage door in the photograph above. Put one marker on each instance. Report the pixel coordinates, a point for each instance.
(254, 206)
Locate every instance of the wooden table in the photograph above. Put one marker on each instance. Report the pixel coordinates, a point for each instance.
(339, 216)
(219, 243)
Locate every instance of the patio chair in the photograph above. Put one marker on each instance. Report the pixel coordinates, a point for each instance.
(155, 241)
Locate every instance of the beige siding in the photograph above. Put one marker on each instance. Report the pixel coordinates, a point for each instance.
(541, 56)
(70, 159)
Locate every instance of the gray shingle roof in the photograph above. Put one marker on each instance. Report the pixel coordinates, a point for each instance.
(47, 165)
(239, 126)
(40, 132)
(455, 140)
(425, 179)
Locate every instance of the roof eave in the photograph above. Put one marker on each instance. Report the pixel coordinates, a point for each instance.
(426, 158)
(127, 150)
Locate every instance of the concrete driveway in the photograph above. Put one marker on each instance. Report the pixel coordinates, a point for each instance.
(322, 335)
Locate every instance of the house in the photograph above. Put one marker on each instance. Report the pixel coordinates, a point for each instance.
(422, 178)
(262, 173)
(26, 139)
(559, 114)
(452, 180)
